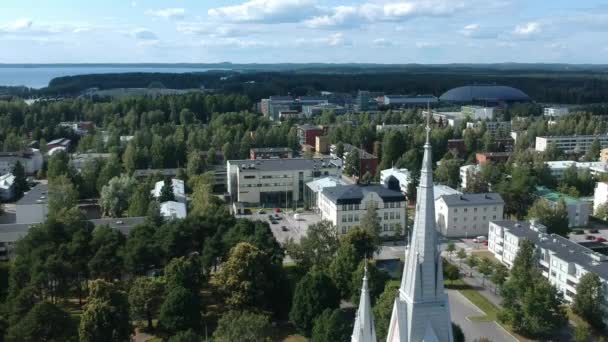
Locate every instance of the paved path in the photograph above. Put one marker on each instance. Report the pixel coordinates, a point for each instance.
(461, 308)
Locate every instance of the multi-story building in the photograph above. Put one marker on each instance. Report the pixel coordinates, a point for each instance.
(63, 143)
(78, 160)
(467, 215)
(179, 190)
(492, 157)
(402, 127)
(558, 168)
(402, 177)
(173, 210)
(310, 111)
(7, 187)
(270, 153)
(346, 205)
(367, 161)
(31, 160)
(600, 195)
(362, 102)
(604, 155)
(279, 182)
(578, 210)
(397, 101)
(307, 134)
(561, 260)
(273, 105)
(322, 144)
(81, 128)
(33, 207)
(477, 112)
(467, 172)
(491, 126)
(315, 187)
(556, 112)
(570, 143)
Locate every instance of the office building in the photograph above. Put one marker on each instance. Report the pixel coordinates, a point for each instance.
(270, 153)
(33, 207)
(276, 182)
(345, 206)
(179, 190)
(477, 112)
(273, 106)
(7, 187)
(558, 168)
(367, 161)
(307, 134)
(561, 260)
(400, 101)
(556, 112)
(315, 187)
(362, 102)
(396, 179)
(322, 144)
(570, 143)
(385, 128)
(310, 111)
(493, 127)
(578, 210)
(467, 215)
(31, 160)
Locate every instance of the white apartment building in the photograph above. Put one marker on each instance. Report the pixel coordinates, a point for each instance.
(345, 206)
(7, 187)
(600, 195)
(279, 182)
(556, 112)
(401, 176)
(570, 143)
(467, 172)
(467, 215)
(578, 210)
(314, 189)
(562, 261)
(31, 160)
(33, 207)
(179, 190)
(173, 210)
(399, 127)
(477, 112)
(491, 126)
(559, 167)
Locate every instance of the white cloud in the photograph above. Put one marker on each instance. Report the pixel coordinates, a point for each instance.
(528, 29)
(143, 34)
(168, 13)
(351, 16)
(214, 31)
(382, 42)
(426, 45)
(476, 31)
(267, 11)
(333, 40)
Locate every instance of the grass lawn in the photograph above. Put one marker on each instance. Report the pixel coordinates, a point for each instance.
(485, 254)
(491, 310)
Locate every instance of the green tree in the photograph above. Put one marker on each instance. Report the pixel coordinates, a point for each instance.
(554, 218)
(588, 298)
(314, 293)
(20, 184)
(58, 164)
(352, 163)
(472, 261)
(384, 308)
(139, 201)
(581, 333)
(332, 325)
(448, 172)
(242, 326)
(107, 260)
(196, 164)
(451, 249)
(593, 154)
(186, 336)
(342, 267)
(62, 194)
(166, 192)
(450, 272)
(106, 314)
(145, 298)
(457, 333)
(141, 249)
(184, 272)
(317, 247)
(339, 150)
(114, 199)
(499, 275)
(518, 191)
(377, 280)
(370, 222)
(45, 322)
(180, 311)
(202, 197)
(461, 254)
(485, 268)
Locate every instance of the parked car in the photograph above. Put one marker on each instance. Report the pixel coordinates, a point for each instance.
(274, 222)
(284, 228)
(277, 217)
(277, 210)
(270, 217)
(590, 237)
(261, 211)
(600, 239)
(593, 231)
(480, 239)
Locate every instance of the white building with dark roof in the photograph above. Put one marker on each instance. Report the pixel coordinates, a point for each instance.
(276, 182)
(31, 160)
(467, 215)
(561, 260)
(402, 176)
(346, 205)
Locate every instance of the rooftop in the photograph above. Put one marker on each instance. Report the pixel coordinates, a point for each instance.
(271, 149)
(326, 182)
(456, 200)
(353, 194)
(554, 196)
(286, 164)
(173, 209)
(484, 93)
(563, 248)
(36, 195)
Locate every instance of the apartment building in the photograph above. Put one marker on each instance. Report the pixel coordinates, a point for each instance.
(367, 161)
(556, 112)
(345, 206)
(31, 160)
(492, 157)
(276, 182)
(307, 134)
(400, 127)
(562, 261)
(491, 126)
(173, 210)
(570, 143)
(558, 168)
(467, 215)
(468, 172)
(270, 153)
(578, 210)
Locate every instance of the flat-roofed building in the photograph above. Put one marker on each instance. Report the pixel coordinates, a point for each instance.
(173, 210)
(367, 161)
(310, 111)
(558, 167)
(395, 101)
(31, 159)
(560, 260)
(492, 157)
(397, 127)
(468, 172)
(276, 182)
(570, 143)
(7, 187)
(556, 112)
(270, 153)
(307, 134)
(179, 190)
(477, 112)
(600, 195)
(346, 205)
(33, 207)
(493, 127)
(467, 215)
(578, 210)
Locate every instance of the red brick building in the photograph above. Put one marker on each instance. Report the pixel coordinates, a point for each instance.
(307, 134)
(492, 157)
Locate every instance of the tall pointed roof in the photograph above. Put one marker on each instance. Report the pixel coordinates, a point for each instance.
(364, 330)
(421, 311)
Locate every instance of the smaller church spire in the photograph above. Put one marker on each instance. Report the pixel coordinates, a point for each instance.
(364, 330)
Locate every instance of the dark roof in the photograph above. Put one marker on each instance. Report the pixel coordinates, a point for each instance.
(563, 248)
(472, 199)
(36, 195)
(353, 194)
(484, 93)
(285, 164)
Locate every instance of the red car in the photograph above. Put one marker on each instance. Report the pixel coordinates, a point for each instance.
(600, 239)
(277, 210)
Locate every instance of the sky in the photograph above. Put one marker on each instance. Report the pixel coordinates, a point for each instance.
(299, 31)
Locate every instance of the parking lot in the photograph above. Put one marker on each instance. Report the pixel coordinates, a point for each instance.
(285, 226)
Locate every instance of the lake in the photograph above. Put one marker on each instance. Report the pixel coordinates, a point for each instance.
(39, 77)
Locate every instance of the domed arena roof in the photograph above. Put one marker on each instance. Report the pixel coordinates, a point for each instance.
(484, 93)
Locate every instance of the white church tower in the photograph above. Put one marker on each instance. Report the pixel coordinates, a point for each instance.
(421, 312)
(364, 330)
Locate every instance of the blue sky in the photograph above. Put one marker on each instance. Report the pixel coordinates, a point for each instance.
(335, 31)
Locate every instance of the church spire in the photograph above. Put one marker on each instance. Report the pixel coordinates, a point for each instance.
(364, 330)
(422, 310)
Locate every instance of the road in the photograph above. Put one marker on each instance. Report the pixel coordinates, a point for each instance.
(461, 308)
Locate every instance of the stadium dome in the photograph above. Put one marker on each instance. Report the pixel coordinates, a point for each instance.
(490, 93)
